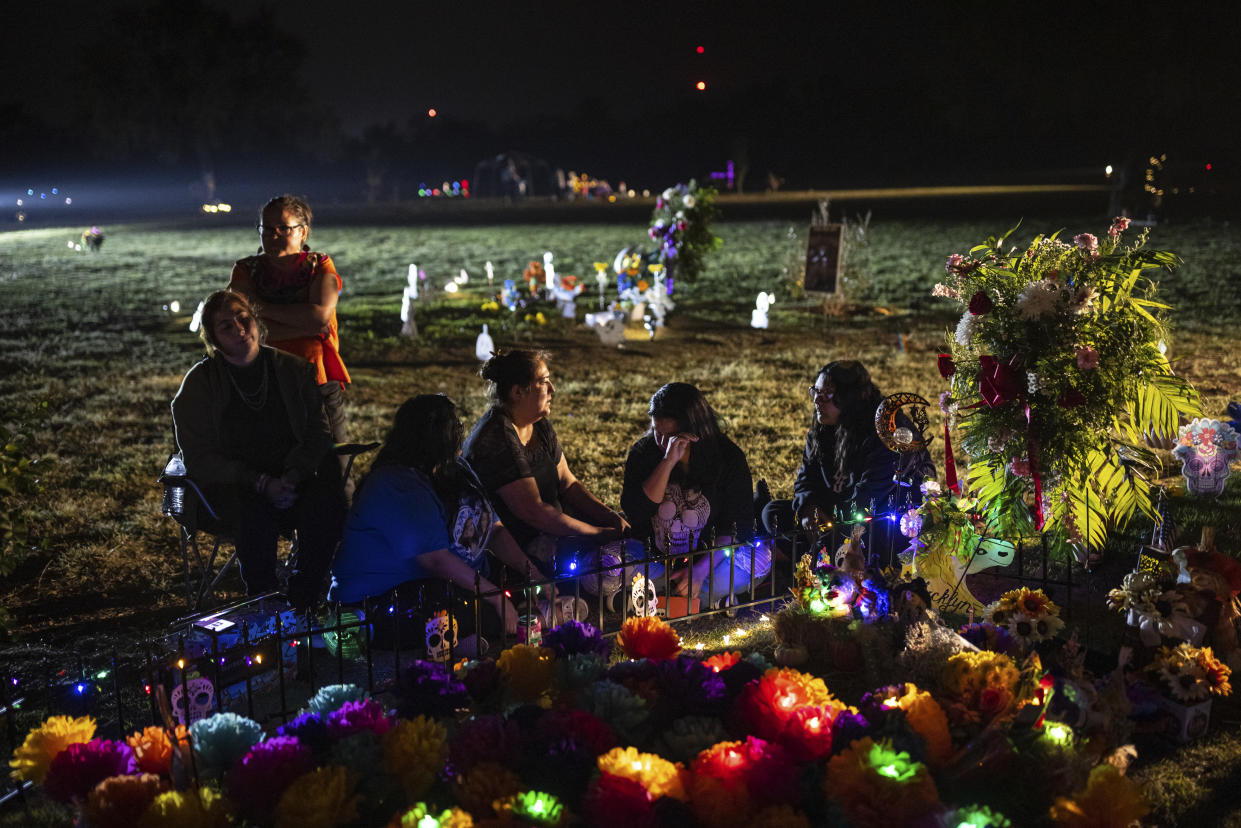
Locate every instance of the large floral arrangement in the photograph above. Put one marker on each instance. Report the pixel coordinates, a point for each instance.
(681, 227)
(555, 736)
(1028, 616)
(1058, 372)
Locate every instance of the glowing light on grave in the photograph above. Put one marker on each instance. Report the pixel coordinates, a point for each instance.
(700, 86)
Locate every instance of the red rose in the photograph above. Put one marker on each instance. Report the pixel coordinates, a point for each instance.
(980, 303)
(998, 382)
(946, 366)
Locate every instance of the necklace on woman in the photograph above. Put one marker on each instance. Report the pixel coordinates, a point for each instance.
(256, 399)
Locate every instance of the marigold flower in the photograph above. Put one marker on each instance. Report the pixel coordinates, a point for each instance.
(649, 637)
(30, 761)
(877, 786)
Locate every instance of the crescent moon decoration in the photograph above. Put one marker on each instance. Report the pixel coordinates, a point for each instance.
(902, 438)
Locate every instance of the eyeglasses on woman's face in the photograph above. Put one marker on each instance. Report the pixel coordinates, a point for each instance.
(821, 393)
(278, 229)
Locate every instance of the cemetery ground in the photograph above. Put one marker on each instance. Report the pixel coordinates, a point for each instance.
(92, 349)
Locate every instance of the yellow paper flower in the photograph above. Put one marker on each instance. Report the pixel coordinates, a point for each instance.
(487, 783)
(655, 773)
(153, 749)
(120, 801)
(201, 808)
(30, 761)
(530, 671)
(929, 721)
(877, 786)
(414, 753)
(1110, 800)
(415, 818)
(323, 798)
(649, 637)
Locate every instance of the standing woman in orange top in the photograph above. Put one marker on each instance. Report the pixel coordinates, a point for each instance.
(296, 291)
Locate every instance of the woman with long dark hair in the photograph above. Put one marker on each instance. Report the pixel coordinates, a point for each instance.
(687, 486)
(845, 466)
(421, 525)
(517, 455)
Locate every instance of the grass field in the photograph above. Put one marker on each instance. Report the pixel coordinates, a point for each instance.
(91, 354)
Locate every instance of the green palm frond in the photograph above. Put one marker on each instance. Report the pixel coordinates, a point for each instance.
(1087, 513)
(1160, 402)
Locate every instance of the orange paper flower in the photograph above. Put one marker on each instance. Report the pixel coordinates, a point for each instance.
(655, 773)
(120, 801)
(153, 749)
(649, 637)
(1109, 801)
(723, 661)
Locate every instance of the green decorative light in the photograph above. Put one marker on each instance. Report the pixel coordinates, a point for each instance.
(980, 816)
(538, 807)
(1058, 733)
(428, 821)
(818, 606)
(891, 763)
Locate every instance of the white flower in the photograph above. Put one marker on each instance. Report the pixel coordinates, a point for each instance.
(1023, 629)
(1083, 300)
(1039, 298)
(690, 201)
(944, 292)
(669, 194)
(1033, 383)
(1186, 680)
(681, 213)
(931, 488)
(966, 328)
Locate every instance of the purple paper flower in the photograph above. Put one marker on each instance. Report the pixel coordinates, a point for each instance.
(77, 769)
(259, 778)
(356, 717)
(847, 728)
(427, 688)
(685, 686)
(309, 729)
(575, 638)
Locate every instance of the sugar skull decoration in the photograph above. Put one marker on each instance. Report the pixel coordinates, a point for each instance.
(1205, 448)
(192, 700)
(679, 520)
(441, 636)
(642, 597)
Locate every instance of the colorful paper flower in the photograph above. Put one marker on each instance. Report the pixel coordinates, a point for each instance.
(767, 705)
(423, 816)
(323, 798)
(1110, 800)
(576, 638)
(975, 816)
(30, 761)
(476, 789)
(487, 738)
(619, 802)
(356, 717)
(259, 778)
(81, 766)
(427, 688)
(120, 801)
(649, 637)
(614, 704)
(153, 748)
(310, 729)
(330, 698)
(414, 751)
(203, 807)
(732, 780)
(878, 787)
(221, 740)
(722, 661)
(529, 671)
(656, 774)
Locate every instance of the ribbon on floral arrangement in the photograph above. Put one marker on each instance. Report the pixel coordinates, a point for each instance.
(1032, 449)
(998, 382)
(950, 463)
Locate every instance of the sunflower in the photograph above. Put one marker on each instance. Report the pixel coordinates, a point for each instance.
(1186, 680)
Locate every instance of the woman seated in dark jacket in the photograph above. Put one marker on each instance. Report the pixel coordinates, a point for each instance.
(845, 467)
(250, 425)
(688, 487)
(421, 525)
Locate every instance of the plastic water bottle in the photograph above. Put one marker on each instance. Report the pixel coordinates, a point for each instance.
(174, 487)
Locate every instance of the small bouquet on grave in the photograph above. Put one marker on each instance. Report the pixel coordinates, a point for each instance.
(1028, 616)
(1157, 608)
(1189, 674)
(680, 226)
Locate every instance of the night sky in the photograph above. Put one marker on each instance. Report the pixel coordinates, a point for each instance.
(873, 92)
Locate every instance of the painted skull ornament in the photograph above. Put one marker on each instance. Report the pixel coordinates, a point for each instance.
(441, 636)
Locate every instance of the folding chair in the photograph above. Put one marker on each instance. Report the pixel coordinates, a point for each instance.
(186, 503)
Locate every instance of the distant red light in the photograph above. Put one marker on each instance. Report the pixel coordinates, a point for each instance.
(701, 85)
(431, 113)
(1208, 166)
(465, 184)
(701, 50)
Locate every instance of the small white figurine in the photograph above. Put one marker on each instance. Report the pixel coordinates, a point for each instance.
(758, 316)
(197, 321)
(483, 346)
(609, 325)
(409, 327)
(463, 277)
(491, 273)
(549, 269)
